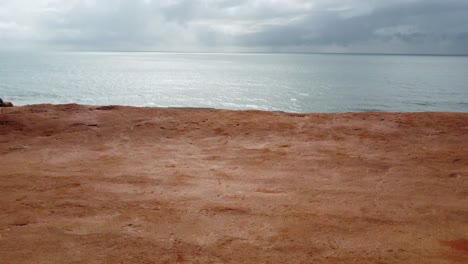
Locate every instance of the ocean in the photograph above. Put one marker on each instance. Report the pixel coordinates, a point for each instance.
(278, 82)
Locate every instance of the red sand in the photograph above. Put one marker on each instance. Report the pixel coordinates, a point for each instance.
(83, 184)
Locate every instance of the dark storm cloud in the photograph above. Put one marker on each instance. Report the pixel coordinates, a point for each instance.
(417, 25)
(399, 26)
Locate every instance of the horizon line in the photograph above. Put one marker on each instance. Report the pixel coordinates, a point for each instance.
(264, 52)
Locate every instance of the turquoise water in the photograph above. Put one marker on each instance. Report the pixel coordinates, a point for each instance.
(283, 82)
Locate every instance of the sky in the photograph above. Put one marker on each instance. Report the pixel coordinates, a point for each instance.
(355, 26)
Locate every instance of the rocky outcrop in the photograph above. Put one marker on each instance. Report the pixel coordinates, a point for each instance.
(5, 104)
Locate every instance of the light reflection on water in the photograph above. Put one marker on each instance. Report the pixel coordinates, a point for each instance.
(280, 82)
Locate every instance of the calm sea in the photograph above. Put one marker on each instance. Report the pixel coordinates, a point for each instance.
(284, 82)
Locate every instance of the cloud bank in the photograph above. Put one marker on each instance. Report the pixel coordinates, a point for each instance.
(363, 26)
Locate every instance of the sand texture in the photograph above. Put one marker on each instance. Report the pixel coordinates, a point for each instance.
(83, 184)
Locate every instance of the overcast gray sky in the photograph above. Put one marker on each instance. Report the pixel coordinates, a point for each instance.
(385, 26)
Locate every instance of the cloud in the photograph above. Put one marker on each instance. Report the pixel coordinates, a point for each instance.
(399, 26)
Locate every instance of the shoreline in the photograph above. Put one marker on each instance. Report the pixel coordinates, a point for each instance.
(94, 184)
(237, 110)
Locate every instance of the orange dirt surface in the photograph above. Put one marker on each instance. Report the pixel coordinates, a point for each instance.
(85, 184)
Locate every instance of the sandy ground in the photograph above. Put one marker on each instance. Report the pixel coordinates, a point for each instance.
(81, 184)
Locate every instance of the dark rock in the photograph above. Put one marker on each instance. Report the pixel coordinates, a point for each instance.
(5, 104)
